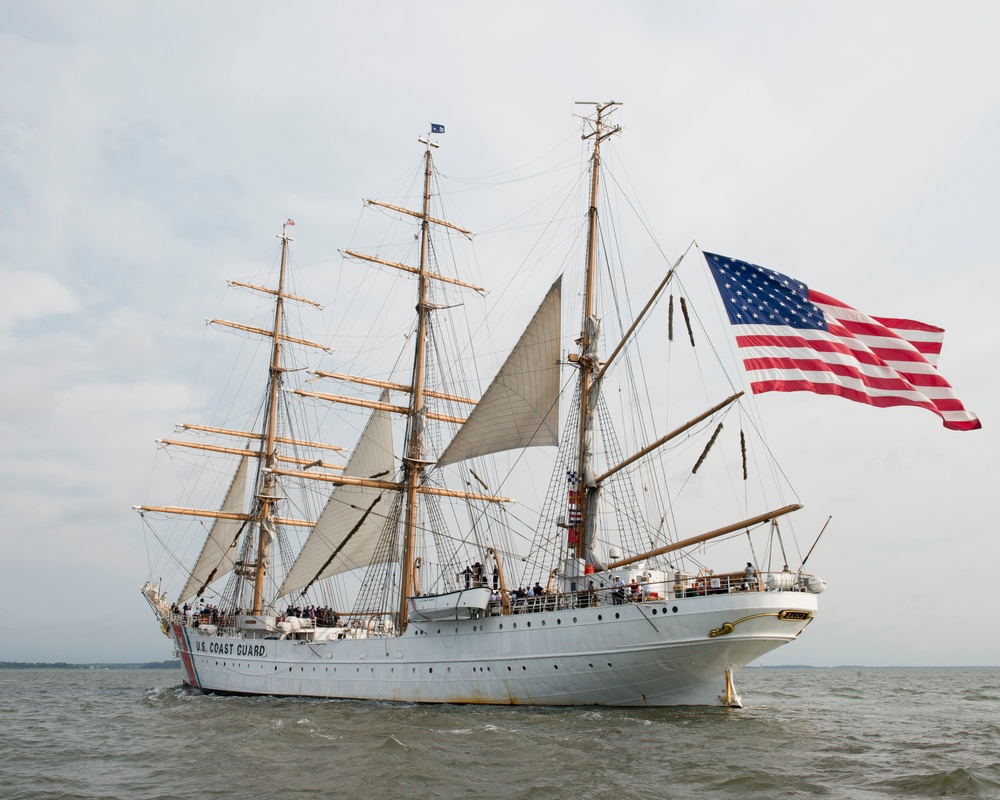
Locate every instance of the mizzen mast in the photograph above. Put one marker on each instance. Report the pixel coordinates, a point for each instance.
(589, 357)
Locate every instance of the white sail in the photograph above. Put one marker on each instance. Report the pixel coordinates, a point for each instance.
(521, 406)
(218, 556)
(347, 532)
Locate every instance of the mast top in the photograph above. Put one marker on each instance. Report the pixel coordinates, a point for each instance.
(436, 127)
(600, 131)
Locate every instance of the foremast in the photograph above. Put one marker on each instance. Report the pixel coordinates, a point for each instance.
(267, 496)
(256, 525)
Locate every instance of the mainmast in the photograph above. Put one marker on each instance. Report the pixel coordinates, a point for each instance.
(589, 341)
(265, 518)
(413, 454)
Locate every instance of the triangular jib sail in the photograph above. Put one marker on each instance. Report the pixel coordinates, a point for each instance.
(521, 406)
(218, 556)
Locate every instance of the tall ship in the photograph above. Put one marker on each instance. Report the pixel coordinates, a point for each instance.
(396, 567)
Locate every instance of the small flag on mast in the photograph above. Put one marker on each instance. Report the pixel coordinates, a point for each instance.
(437, 127)
(289, 221)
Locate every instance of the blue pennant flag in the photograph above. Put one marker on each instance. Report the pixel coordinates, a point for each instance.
(437, 128)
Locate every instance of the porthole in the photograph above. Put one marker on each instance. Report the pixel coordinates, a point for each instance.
(590, 665)
(600, 617)
(574, 619)
(609, 663)
(558, 622)
(430, 669)
(617, 615)
(675, 609)
(556, 666)
(508, 669)
(529, 624)
(524, 669)
(654, 612)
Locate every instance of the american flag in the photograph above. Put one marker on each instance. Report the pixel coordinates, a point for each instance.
(795, 339)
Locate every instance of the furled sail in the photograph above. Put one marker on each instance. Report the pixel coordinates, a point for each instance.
(521, 406)
(218, 556)
(347, 532)
(592, 357)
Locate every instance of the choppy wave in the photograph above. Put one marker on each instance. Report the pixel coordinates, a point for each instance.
(840, 734)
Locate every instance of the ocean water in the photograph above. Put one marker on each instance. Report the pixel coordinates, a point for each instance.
(829, 733)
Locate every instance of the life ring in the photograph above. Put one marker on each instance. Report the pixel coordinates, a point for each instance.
(356, 623)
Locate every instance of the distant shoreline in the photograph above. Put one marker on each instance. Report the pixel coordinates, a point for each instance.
(175, 664)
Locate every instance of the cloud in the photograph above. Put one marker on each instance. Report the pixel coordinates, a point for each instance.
(33, 296)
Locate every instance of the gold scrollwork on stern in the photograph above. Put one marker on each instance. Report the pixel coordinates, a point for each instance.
(727, 627)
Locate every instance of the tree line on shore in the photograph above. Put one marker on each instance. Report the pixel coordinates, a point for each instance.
(170, 664)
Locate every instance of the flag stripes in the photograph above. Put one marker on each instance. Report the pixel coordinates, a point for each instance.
(794, 339)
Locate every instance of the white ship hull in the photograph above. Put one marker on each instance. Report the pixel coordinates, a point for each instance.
(676, 652)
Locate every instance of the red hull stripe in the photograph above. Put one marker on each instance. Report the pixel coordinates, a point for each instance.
(184, 646)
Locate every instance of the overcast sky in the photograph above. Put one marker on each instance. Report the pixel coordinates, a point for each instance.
(150, 151)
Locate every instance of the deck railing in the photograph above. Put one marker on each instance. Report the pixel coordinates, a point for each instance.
(702, 585)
